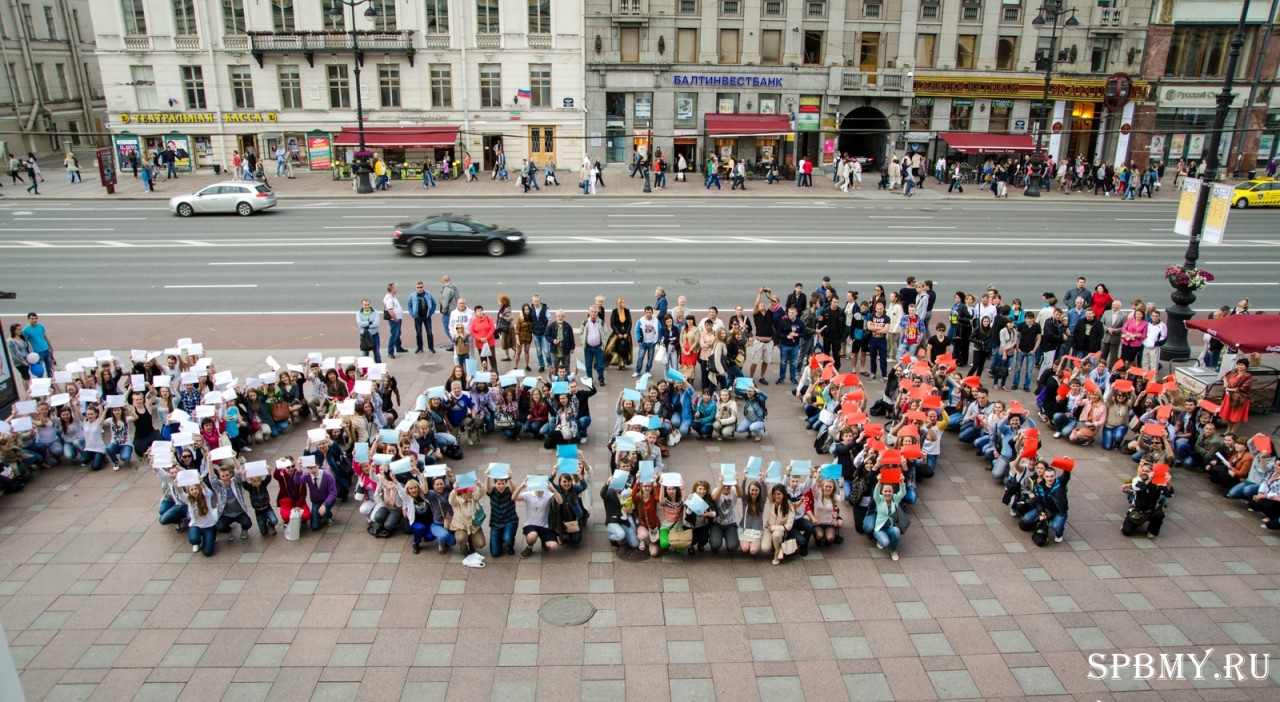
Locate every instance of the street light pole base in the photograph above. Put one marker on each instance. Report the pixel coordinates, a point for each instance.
(1031, 191)
(363, 185)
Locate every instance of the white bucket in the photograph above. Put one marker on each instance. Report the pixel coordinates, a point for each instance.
(293, 530)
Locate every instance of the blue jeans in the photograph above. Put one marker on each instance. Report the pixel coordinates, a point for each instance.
(1021, 361)
(1057, 523)
(444, 537)
(660, 180)
(427, 178)
(420, 323)
(619, 533)
(890, 535)
(279, 168)
(393, 337)
(756, 428)
(172, 512)
(879, 349)
(502, 537)
(203, 537)
(120, 452)
(316, 520)
(377, 351)
(1112, 436)
(1064, 423)
(583, 424)
(644, 351)
(788, 357)
(1243, 491)
(543, 347)
(594, 360)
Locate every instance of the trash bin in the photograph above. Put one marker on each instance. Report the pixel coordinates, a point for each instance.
(1251, 175)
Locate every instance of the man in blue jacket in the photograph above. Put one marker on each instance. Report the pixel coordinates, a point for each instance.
(422, 307)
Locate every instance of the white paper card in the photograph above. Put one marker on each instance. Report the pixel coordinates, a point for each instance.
(22, 424)
(271, 361)
(60, 399)
(114, 401)
(25, 407)
(315, 435)
(222, 453)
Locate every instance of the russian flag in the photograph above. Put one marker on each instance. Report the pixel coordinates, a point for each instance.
(524, 93)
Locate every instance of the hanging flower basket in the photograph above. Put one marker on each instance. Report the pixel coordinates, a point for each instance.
(1191, 279)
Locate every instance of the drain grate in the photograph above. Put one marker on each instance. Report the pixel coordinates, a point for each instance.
(567, 611)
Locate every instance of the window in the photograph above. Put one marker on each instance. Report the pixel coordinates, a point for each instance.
(11, 78)
(94, 90)
(929, 12)
(42, 89)
(144, 87)
(437, 16)
(812, 54)
(193, 87)
(135, 20)
(184, 18)
(1044, 52)
(872, 10)
(726, 103)
(441, 85)
(642, 108)
(27, 24)
(769, 103)
(771, 47)
(1099, 56)
(233, 16)
(334, 23)
(241, 87)
(1000, 110)
(686, 110)
(869, 52)
(964, 50)
(64, 89)
(49, 23)
(773, 8)
(629, 44)
(487, 17)
(688, 7)
(282, 19)
(1199, 51)
(1011, 14)
(686, 45)
(339, 86)
(970, 13)
(1007, 53)
(961, 114)
(389, 84)
(540, 82)
(539, 16)
(490, 85)
(925, 44)
(290, 79)
(386, 19)
(815, 8)
(730, 7)
(729, 52)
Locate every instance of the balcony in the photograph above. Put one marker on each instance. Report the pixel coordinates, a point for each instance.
(488, 41)
(137, 43)
(436, 41)
(187, 44)
(629, 12)
(235, 42)
(539, 41)
(883, 83)
(308, 43)
(1106, 17)
(629, 7)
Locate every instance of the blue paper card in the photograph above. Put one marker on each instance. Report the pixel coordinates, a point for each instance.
(743, 384)
(625, 443)
(360, 451)
(499, 470)
(728, 474)
(421, 405)
(389, 436)
(643, 382)
(506, 381)
(567, 466)
(629, 394)
(646, 472)
(753, 467)
(401, 466)
(559, 387)
(830, 471)
(774, 473)
(619, 480)
(567, 451)
(653, 422)
(581, 366)
(530, 382)
(696, 504)
(466, 480)
(675, 376)
(471, 366)
(382, 459)
(537, 483)
(437, 392)
(801, 468)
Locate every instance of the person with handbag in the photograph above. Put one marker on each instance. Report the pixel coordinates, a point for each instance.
(571, 515)
(1148, 493)
(367, 325)
(889, 517)
(1093, 417)
(467, 524)
(674, 534)
(482, 332)
(779, 519)
(1048, 508)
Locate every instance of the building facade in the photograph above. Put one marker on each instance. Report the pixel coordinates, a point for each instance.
(439, 79)
(51, 95)
(1187, 61)
(868, 78)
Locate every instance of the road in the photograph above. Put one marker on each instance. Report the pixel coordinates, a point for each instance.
(317, 257)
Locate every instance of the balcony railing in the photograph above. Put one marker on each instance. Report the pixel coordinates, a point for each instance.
(436, 41)
(235, 42)
(489, 41)
(1107, 17)
(629, 7)
(873, 82)
(186, 43)
(137, 43)
(307, 43)
(539, 41)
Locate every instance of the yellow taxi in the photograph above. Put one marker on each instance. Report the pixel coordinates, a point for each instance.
(1256, 193)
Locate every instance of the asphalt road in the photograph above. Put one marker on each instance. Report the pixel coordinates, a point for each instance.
(315, 257)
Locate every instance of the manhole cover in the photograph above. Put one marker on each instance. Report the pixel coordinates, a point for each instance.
(632, 555)
(567, 611)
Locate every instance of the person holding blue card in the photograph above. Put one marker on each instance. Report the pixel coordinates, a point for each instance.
(564, 421)
(618, 508)
(752, 539)
(503, 520)
(467, 524)
(583, 392)
(698, 516)
(438, 497)
(825, 513)
(723, 531)
(754, 410)
(539, 501)
(569, 518)
(800, 482)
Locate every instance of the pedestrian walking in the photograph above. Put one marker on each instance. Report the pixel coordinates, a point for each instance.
(33, 173)
(73, 168)
(280, 156)
(15, 170)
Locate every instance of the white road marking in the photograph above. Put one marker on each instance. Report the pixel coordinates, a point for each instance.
(22, 212)
(591, 260)
(1159, 219)
(37, 244)
(753, 239)
(251, 263)
(1243, 284)
(1242, 263)
(193, 243)
(590, 282)
(908, 260)
(901, 216)
(644, 226)
(79, 219)
(176, 287)
(43, 229)
(674, 239)
(913, 227)
(641, 215)
(116, 244)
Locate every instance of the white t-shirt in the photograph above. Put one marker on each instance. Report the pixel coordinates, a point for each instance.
(391, 304)
(537, 510)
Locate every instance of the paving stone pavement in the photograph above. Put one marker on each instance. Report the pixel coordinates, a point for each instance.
(101, 603)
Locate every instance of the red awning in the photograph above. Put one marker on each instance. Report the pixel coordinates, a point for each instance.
(740, 125)
(983, 143)
(399, 137)
(1249, 333)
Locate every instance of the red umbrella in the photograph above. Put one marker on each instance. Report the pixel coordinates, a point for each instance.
(1250, 333)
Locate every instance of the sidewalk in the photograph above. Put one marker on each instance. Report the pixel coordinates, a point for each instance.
(320, 186)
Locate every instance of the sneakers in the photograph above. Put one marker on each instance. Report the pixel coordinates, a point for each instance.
(1013, 511)
(894, 555)
(1057, 435)
(635, 375)
(248, 449)
(244, 534)
(195, 548)
(115, 465)
(528, 551)
(763, 381)
(1057, 539)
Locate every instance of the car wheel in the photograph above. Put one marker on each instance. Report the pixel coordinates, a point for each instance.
(418, 248)
(185, 210)
(1242, 203)
(244, 209)
(496, 248)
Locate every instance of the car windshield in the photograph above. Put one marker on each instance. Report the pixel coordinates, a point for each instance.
(482, 226)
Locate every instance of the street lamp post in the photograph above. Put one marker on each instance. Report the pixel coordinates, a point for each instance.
(1176, 347)
(360, 165)
(1050, 12)
(648, 188)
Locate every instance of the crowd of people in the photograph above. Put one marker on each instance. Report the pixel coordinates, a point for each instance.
(878, 431)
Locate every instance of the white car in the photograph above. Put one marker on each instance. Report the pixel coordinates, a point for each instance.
(242, 198)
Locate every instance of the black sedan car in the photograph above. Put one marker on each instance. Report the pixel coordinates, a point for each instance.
(456, 233)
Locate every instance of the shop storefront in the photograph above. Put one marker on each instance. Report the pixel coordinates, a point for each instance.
(404, 149)
(755, 139)
(194, 137)
(1184, 119)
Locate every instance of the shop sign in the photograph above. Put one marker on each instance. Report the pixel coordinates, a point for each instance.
(1006, 104)
(727, 81)
(568, 102)
(1087, 90)
(809, 117)
(195, 117)
(1193, 97)
(962, 102)
(923, 102)
(320, 152)
(127, 148)
(423, 116)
